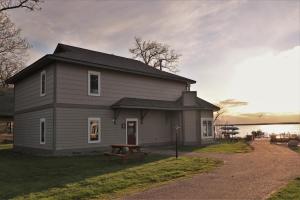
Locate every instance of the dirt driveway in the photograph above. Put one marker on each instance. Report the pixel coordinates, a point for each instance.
(243, 176)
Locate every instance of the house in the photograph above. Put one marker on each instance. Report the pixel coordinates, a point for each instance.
(78, 100)
(6, 110)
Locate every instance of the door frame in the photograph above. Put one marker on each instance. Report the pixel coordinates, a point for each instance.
(137, 129)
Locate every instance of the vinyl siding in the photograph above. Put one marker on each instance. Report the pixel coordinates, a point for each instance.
(190, 126)
(27, 129)
(207, 114)
(72, 86)
(72, 128)
(27, 91)
(156, 128)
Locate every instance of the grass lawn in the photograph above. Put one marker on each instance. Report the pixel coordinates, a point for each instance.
(88, 177)
(297, 149)
(290, 192)
(223, 147)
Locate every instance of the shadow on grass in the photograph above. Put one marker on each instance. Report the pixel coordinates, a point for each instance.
(24, 174)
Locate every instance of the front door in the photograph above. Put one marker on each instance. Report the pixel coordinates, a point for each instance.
(132, 131)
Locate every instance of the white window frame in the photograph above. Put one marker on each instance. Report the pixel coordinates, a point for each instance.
(89, 83)
(43, 73)
(44, 121)
(202, 128)
(137, 129)
(99, 134)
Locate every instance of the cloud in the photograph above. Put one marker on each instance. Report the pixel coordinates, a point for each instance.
(232, 103)
(259, 118)
(234, 49)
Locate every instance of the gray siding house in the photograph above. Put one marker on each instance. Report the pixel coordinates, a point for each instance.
(78, 100)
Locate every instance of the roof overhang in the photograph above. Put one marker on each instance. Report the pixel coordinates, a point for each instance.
(151, 104)
(49, 58)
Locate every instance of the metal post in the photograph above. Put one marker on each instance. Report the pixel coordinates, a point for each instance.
(176, 141)
(176, 144)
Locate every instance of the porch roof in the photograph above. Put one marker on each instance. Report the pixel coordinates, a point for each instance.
(152, 104)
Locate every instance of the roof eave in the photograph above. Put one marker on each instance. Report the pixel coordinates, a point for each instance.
(50, 57)
(110, 67)
(30, 69)
(160, 108)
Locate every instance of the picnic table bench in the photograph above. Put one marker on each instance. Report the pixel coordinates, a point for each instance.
(126, 151)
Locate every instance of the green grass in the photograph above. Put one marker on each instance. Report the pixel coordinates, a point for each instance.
(88, 177)
(5, 146)
(223, 147)
(290, 192)
(297, 149)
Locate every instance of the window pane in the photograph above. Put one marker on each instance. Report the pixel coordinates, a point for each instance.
(42, 132)
(209, 128)
(43, 83)
(204, 128)
(94, 130)
(94, 84)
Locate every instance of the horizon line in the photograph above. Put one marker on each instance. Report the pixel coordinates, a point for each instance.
(246, 124)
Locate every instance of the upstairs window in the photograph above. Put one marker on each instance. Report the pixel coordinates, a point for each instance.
(93, 83)
(42, 131)
(43, 83)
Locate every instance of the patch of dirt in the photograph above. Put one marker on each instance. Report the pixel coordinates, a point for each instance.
(253, 175)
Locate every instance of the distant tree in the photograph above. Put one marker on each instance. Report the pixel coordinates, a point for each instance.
(219, 113)
(155, 54)
(13, 4)
(12, 49)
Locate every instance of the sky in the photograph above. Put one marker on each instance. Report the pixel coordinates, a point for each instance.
(243, 54)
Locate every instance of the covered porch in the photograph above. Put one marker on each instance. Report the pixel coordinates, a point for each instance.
(155, 122)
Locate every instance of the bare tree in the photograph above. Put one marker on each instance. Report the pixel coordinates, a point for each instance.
(12, 4)
(155, 54)
(12, 49)
(219, 113)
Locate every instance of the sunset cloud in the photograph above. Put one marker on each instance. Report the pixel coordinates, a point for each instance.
(232, 103)
(258, 118)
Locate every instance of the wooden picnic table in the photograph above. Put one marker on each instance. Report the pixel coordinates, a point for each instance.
(126, 151)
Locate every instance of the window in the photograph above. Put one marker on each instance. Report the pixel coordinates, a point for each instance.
(204, 126)
(94, 83)
(94, 130)
(207, 128)
(43, 83)
(42, 131)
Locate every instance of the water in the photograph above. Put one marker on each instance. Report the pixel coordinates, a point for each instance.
(269, 129)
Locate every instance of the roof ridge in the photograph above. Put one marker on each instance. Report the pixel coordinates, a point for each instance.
(131, 59)
(94, 51)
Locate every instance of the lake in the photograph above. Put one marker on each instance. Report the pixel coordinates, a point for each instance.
(269, 129)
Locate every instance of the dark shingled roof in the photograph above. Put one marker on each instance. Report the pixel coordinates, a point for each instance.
(152, 104)
(206, 105)
(75, 55)
(6, 102)
(147, 104)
